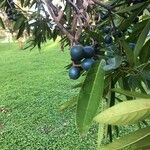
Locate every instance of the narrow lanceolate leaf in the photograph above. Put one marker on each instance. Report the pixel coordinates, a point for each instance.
(79, 85)
(129, 139)
(130, 8)
(68, 13)
(125, 112)
(131, 94)
(145, 52)
(2, 23)
(19, 23)
(127, 22)
(143, 144)
(141, 40)
(128, 51)
(90, 96)
(69, 104)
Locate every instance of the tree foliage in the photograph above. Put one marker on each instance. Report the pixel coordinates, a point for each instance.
(118, 30)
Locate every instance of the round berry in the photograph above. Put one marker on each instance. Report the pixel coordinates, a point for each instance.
(132, 45)
(87, 63)
(88, 51)
(74, 72)
(104, 16)
(76, 52)
(108, 39)
(118, 34)
(107, 29)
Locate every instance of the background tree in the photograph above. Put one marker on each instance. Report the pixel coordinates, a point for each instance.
(110, 46)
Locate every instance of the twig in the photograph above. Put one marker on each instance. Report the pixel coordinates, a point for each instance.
(109, 9)
(79, 31)
(61, 27)
(113, 23)
(76, 9)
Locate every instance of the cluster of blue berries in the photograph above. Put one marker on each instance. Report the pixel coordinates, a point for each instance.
(11, 10)
(108, 30)
(82, 58)
(108, 38)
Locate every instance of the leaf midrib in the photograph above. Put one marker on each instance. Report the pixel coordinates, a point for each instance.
(130, 112)
(134, 141)
(92, 90)
(129, 143)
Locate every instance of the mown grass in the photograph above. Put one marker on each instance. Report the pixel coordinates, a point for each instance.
(33, 84)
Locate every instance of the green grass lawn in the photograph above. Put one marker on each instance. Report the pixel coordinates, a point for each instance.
(33, 84)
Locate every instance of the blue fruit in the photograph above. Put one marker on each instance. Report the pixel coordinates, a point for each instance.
(107, 29)
(88, 51)
(76, 52)
(87, 63)
(118, 34)
(74, 72)
(104, 16)
(108, 39)
(132, 45)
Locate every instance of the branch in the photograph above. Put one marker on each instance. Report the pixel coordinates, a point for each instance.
(61, 27)
(79, 31)
(76, 9)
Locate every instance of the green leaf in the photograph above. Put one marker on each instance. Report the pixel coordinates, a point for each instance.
(69, 104)
(142, 144)
(136, 30)
(19, 23)
(27, 3)
(128, 140)
(21, 30)
(125, 112)
(130, 8)
(2, 3)
(68, 66)
(131, 93)
(77, 85)
(90, 96)
(127, 22)
(2, 23)
(22, 2)
(55, 34)
(68, 11)
(145, 52)
(141, 41)
(128, 52)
